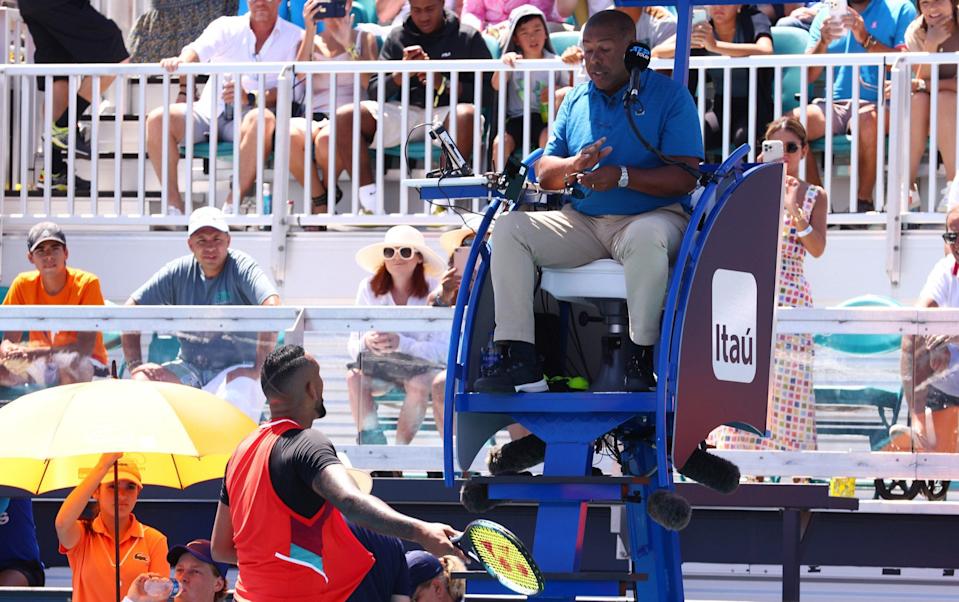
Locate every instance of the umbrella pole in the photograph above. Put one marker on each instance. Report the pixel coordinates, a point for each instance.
(116, 527)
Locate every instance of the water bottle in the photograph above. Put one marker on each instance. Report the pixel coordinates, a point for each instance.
(156, 587)
(228, 106)
(267, 198)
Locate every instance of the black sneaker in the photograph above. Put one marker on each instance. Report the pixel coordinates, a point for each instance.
(517, 370)
(640, 377)
(58, 183)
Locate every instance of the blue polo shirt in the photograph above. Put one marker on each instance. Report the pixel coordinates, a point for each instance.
(886, 20)
(667, 118)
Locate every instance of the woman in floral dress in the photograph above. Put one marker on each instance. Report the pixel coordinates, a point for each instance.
(792, 414)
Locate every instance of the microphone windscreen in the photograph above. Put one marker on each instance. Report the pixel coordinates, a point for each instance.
(712, 471)
(637, 56)
(475, 498)
(669, 509)
(516, 456)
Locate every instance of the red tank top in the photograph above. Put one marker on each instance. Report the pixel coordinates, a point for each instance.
(283, 556)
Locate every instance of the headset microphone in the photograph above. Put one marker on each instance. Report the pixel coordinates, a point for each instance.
(637, 61)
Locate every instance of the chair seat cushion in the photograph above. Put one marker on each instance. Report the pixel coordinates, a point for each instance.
(601, 279)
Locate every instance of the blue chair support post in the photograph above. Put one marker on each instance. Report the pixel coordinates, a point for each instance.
(569, 423)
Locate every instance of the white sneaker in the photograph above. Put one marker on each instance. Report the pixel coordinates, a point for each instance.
(227, 209)
(173, 210)
(948, 198)
(915, 200)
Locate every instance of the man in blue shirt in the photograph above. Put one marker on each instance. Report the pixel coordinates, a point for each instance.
(213, 274)
(20, 564)
(627, 204)
(868, 26)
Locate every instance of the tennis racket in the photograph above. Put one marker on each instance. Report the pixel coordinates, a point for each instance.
(503, 556)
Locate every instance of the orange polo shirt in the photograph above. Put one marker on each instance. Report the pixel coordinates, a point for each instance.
(82, 288)
(142, 549)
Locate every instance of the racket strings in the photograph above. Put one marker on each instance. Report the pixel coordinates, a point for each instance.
(503, 556)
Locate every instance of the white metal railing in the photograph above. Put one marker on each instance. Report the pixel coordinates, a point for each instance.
(300, 321)
(18, 82)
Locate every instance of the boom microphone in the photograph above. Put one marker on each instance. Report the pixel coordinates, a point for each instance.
(712, 471)
(669, 509)
(637, 61)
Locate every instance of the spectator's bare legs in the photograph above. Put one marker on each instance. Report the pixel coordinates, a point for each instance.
(248, 146)
(918, 133)
(61, 91)
(154, 372)
(437, 397)
(946, 131)
(464, 129)
(414, 407)
(297, 145)
(867, 152)
(344, 143)
(155, 148)
(509, 145)
(361, 402)
(815, 129)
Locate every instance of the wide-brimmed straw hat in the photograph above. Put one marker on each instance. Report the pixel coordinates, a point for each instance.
(453, 239)
(370, 257)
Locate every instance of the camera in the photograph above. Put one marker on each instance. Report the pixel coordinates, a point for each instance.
(331, 10)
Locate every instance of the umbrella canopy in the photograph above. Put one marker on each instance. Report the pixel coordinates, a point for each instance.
(176, 435)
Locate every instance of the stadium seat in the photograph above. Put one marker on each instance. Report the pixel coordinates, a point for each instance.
(493, 45)
(888, 403)
(790, 40)
(562, 40)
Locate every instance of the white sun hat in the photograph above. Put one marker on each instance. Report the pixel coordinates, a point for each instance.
(370, 257)
(453, 239)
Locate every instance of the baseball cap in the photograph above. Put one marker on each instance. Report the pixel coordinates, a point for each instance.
(43, 232)
(423, 567)
(125, 470)
(207, 217)
(199, 549)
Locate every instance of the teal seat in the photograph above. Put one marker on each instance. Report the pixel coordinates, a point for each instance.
(492, 44)
(201, 150)
(561, 40)
(888, 403)
(790, 40)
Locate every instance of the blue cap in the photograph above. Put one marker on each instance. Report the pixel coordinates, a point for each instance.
(199, 549)
(423, 568)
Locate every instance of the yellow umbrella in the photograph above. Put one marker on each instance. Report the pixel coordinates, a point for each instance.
(176, 435)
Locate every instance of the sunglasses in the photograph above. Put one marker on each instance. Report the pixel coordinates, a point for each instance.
(468, 241)
(405, 252)
(791, 147)
(950, 237)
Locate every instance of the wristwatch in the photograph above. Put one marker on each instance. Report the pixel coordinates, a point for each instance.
(623, 177)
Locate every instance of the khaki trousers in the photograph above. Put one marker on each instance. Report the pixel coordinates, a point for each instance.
(646, 245)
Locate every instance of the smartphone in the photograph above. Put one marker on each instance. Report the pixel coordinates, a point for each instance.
(413, 51)
(334, 9)
(454, 157)
(460, 255)
(699, 16)
(772, 151)
(837, 8)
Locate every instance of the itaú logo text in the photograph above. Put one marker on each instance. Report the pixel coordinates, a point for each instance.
(734, 326)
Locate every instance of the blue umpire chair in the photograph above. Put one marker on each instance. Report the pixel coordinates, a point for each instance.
(650, 437)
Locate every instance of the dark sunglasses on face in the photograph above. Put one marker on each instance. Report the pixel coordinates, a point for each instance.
(792, 147)
(405, 252)
(468, 241)
(950, 237)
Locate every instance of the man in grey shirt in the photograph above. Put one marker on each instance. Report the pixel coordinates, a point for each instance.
(213, 274)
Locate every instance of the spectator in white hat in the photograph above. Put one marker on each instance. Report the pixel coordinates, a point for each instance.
(226, 364)
(403, 272)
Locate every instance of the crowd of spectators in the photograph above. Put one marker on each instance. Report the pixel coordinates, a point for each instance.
(455, 29)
